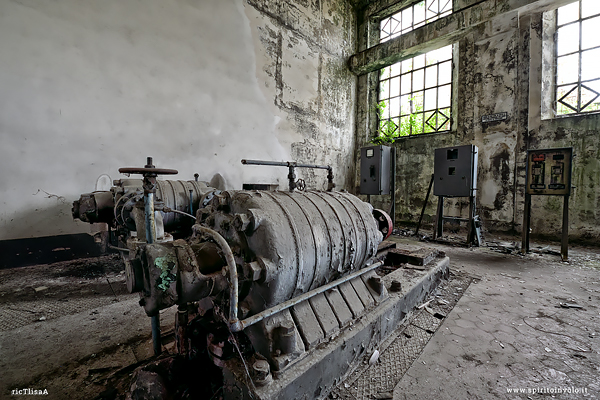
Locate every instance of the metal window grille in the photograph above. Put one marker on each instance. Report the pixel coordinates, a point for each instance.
(577, 58)
(413, 17)
(415, 95)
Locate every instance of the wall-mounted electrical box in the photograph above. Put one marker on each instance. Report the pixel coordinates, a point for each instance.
(375, 167)
(455, 171)
(549, 171)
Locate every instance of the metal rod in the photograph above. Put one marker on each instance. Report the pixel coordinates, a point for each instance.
(291, 165)
(526, 225)
(168, 210)
(157, 346)
(424, 205)
(233, 284)
(149, 214)
(284, 164)
(564, 245)
(241, 325)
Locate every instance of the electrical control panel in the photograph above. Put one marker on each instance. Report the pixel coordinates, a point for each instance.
(375, 170)
(549, 171)
(455, 171)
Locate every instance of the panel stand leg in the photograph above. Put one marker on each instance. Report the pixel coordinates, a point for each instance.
(526, 225)
(439, 219)
(156, 342)
(564, 248)
(470, 229)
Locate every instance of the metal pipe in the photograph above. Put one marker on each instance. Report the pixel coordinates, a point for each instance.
(241, 325)
(192, 202)
(284, 164)
(168, 210)
(110, 246)
(156, 344)
(233, 284)
(149, 214)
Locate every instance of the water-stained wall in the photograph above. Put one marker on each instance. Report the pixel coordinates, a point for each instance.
(498, 68)
(91, 86)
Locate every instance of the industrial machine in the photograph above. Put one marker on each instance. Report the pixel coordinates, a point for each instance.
(262, 279)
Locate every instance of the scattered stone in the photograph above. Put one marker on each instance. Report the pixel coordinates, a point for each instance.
(42, 319)
(570, 305)
(40, 289)
(374, 357)
(384, 396)
(548, 349)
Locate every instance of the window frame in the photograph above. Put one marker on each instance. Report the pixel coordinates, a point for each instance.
(579, 83)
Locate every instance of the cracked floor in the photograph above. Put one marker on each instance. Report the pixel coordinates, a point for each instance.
(509, 331)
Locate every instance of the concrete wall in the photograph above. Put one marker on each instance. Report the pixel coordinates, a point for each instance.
(498, 68)
(91, 86)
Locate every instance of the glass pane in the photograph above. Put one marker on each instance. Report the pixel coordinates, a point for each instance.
(432, 57)
(419, 61)
(385, 27)
(429, 121)
(589, 8)
(589, 33)
(445, 126)
(384, 89)
(444, 96)
(407, 19)
(417, 124)
(395, 87)
(433, 6)
(405, 85)
(384, 73)
(395, 107)
(419, 12)
(431, 76)
(417, 101)
(418, 79)
(395, 69)
(447, 6)
(385, 107)
(430, 99)
(446, 72)
(570, 99)
(405, 104)
(567, 69)
(568, 39)
(590, 64)
(445, 53)
(595, 106)
(568, 13)
(407, 65)
(395, 24)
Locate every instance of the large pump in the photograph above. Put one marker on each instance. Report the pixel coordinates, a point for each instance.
(262, 279)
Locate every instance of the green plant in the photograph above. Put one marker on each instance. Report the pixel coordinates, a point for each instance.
(388, 131)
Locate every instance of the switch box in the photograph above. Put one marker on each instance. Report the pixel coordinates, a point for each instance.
(455, 171)
(549, 171)
(375, 169)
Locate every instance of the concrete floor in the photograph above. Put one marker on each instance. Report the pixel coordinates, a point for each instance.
(507, 331)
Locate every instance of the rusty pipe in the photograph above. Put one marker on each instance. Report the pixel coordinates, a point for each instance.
(233, 284)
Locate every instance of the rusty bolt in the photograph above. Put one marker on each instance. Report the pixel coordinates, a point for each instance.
(261, 372)
(241, 222)
(255, 270)
(396, 286)
(375, 283)
(287, 327)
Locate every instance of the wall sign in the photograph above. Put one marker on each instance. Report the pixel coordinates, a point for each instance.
(494, 117)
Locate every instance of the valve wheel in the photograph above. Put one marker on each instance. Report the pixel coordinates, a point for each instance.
(384, 223)
(148, 170)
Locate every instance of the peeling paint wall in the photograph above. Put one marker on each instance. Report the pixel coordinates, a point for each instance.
(88, 87)
(498, 68)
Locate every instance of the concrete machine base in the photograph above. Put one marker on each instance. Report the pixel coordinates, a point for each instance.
(326, 363)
